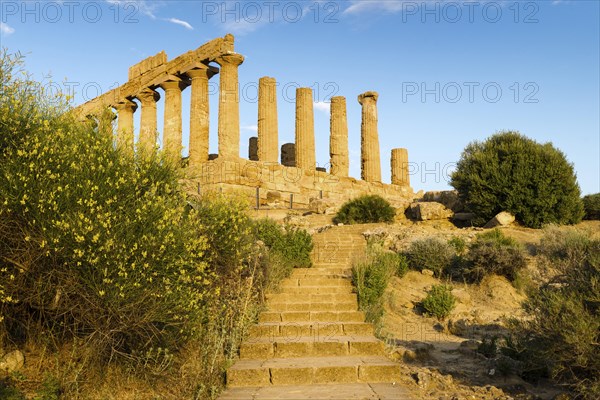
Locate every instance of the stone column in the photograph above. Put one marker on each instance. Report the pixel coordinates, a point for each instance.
(305, 130)
(338, 139)
(229, 106)
(267, 120)
(147, 140)
(199, 115)
(125, 110)
(172, 126)
(369, 138)
(399, 163)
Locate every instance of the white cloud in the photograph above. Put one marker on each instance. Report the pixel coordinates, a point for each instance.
(6, 30)
(185, 24)
(321, 106)
(146, 7)
(360, 6)
(252, 128)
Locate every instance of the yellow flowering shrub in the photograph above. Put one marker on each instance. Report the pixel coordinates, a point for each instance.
(101, 245)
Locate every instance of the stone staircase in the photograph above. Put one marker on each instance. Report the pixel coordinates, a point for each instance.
(313, 343)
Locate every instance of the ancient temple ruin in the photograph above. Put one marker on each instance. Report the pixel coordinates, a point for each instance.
(266, 175)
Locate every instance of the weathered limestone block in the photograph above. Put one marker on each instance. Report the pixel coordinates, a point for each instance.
(273, 196)
(147, 64)
(425, 211)
(12, 361)
(369, 138)
(253, 148)
(503, 218)
(305, 130)
(338, 140)
(172, 130)
(199, 113)
(288, 154)
(125, 110)
(449, 198)
(320, 206)
(148, 130)
(399, 163)
(229, 105)
(267, 120)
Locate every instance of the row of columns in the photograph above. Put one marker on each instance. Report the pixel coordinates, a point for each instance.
(338, 146)
(229, 123)
(197, 78)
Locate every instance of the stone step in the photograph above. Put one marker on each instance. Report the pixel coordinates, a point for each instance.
(308, 346)
(317, 289)
(340, 391)
(312, 370)
(312, 306)
(312, 316)
(340, 272)
(333, 265)
(311, 298)
(312, 329)
(315, 281)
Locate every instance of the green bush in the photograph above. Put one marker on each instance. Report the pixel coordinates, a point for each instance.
(439, 302)
(510, 172)
(371, 278)
(430, 253)
(492, 253)
(365, 209)
(562, 248)
(591, 205)
(459, 244)
(563, 331)
(288, 248)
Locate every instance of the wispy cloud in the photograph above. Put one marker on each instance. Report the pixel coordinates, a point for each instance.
(321, 106)
(145, 7)
(360, 6)
(251, 128)
(177, 21)
(6, 30)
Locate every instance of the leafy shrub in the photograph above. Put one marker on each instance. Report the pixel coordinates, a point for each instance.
(510, 172)
(288, 248)
(591, 205)
(563, 331)
(365, 209)
(439, 301)
(562, 248)
(459, 244)
(430, 253)
(371, 277)
(492, 253)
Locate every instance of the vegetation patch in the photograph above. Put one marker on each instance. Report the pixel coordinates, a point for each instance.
(492, 253)
(372, 276)
(431, 253)
(365, 209)
(439, 302)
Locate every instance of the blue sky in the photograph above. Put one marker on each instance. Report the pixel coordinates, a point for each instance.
(447, 72)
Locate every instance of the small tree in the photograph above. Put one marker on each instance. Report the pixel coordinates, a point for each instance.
(510, 172)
